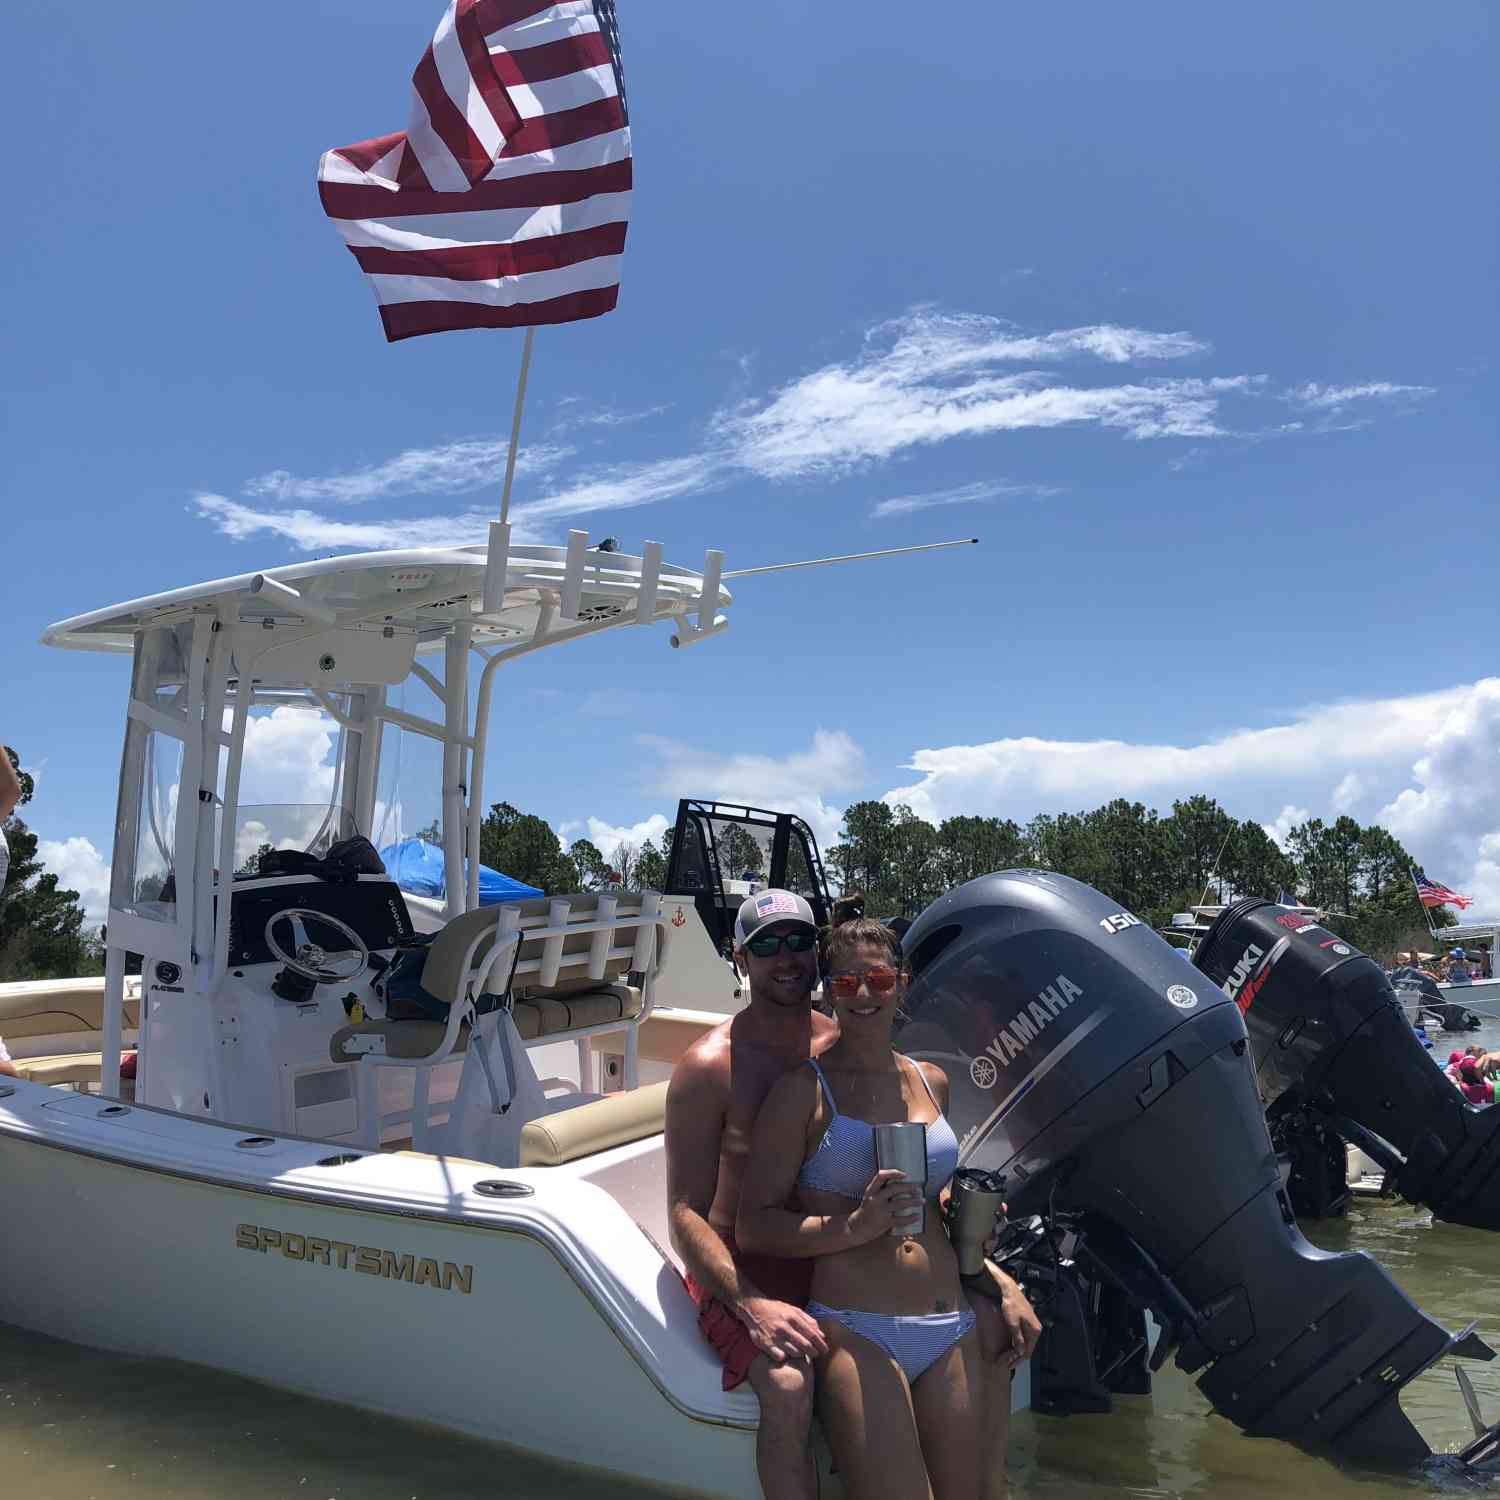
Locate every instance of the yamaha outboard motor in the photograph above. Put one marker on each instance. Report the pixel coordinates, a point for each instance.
(1110, 1081)
(1332, 1047)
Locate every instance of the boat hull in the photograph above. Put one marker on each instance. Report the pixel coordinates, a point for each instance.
(498, 1318)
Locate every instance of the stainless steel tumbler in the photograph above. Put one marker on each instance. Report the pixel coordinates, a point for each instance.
(904, 1147)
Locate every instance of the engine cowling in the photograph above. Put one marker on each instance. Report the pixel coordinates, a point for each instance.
(1111, 1081)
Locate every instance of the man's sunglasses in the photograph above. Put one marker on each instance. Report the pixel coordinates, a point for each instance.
(879, 980)
(769, 944)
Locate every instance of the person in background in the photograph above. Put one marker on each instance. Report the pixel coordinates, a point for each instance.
(1458, 967)
(1473, 1085)
(10, 795)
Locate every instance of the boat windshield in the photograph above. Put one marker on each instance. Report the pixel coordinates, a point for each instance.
(312, 827)
(295, 783)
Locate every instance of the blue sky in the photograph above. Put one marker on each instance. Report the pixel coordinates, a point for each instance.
(1189, 315)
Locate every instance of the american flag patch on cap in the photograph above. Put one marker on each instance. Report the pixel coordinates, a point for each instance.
(774, 901)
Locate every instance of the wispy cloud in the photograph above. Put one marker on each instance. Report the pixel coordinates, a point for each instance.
(964, 494)
(311, 532)
(619, 487)
(1331, 397)
(578, 411)
(921, 380)
(930, 377)
(448, 469)
(622, 486)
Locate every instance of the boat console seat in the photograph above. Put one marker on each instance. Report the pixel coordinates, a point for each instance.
(561, 965)
(539, 1018)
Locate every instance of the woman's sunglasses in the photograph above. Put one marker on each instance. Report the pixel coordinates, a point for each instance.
(879, 981)
(769, 944)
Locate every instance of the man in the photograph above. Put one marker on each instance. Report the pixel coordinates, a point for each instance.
(751, 1308)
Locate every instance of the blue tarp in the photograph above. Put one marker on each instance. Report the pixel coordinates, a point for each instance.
(417, 866)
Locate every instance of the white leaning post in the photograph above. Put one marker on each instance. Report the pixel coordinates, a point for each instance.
(572, 580)
(645, 609)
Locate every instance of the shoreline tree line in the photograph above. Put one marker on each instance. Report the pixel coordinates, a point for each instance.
(1152, 863)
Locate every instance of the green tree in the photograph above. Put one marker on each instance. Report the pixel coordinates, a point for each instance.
(914, 878)
(651, 864)
(1256, 865)
(524, 847)
(1197, 830)
(741, 856)
(593, 873)
(41, 925)
(969, 847)
(864, 850)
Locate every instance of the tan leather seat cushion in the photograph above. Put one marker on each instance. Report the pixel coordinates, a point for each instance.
(76, 1067)
(553, 1015)
(48, 1007)
(601, 1125)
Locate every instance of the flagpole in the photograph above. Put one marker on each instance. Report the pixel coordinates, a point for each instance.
(1426, 915)
(499, 544)
(515, 425)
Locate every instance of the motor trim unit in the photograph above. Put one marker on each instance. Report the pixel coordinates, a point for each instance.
(1112, 1083)
(1330, 1040)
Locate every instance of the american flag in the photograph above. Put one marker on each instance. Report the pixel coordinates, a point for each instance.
(503, 204)
(1430, 893)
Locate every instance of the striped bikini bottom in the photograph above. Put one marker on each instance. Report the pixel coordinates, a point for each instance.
(914, 1343)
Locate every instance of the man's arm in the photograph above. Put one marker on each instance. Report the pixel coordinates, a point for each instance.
(696, 1102)
(1017, 1313)
(10, 784)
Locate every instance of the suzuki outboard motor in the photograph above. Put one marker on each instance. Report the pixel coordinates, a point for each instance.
(1110, 1081)
(1330, 1039)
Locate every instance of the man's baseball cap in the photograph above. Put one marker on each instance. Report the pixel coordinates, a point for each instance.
(766, 907)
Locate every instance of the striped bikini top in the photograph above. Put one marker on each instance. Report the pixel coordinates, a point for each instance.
(844, 1162)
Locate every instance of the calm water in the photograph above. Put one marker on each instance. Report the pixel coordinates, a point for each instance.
(78, 1425)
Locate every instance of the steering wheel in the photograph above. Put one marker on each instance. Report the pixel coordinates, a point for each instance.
(307, 958)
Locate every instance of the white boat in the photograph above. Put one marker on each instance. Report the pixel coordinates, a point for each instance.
(458, 1218)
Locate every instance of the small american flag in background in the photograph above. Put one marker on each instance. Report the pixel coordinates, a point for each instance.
(504, 202)
(1431, 893)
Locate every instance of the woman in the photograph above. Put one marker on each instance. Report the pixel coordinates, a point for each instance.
(899, 1388)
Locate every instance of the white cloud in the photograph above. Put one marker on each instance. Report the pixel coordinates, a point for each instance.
(930, 376)
(964, 494)
(797, 783)
(1430, 762)
(1449, 813)
(625, 485)
(1348, 792)
(448, 469)
(1281, 826)
(920, 380)
(80, 867)
(618, 487)
(1319, 741)
(311, 532)
(575, 411)
(607, 837)
(1330, 397)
